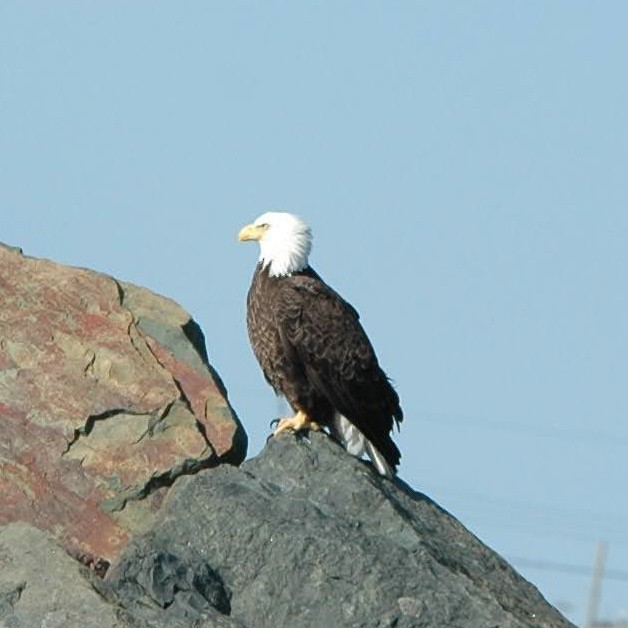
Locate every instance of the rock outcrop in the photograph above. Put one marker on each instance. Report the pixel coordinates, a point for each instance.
(40, 585)
(303, 535)
(306, 535)
(118, 445)
(106, 397)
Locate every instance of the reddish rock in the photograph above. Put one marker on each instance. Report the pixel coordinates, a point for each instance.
(105, 398)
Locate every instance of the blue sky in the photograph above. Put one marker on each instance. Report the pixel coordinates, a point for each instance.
(463, 167)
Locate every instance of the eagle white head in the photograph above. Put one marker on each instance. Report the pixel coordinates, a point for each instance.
(285, 242)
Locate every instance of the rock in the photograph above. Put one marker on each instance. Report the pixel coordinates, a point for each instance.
(306, 535)
(106, 397)
(117, 442)
(40, 585)
(155, 588)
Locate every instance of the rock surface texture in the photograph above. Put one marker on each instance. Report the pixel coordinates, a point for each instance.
(106, 397)
(117, 445)
(305, 535)
(40, 585)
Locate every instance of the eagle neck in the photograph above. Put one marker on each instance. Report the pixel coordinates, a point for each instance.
(283, 255)
(264, 271)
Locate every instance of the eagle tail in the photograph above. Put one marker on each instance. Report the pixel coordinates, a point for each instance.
(357, 444)
(379, 461)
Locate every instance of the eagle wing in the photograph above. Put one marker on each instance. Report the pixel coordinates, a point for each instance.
(323, 332)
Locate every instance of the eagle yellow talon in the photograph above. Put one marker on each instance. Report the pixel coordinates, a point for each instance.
(300, 421)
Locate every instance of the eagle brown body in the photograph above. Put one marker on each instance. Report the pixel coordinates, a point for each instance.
(314, 351)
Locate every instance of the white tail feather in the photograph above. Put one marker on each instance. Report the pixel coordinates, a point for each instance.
(378, 460)
(356, 443)
(350, 436)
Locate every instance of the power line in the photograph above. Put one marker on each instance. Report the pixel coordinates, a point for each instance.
(472, 496)
(577, 570)
(533, 429)
(532, 518)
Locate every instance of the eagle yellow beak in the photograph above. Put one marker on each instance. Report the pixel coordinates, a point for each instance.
(252, 232)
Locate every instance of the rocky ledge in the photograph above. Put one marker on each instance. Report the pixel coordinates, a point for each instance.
(302, 535)
(122, 503)
(306, 535)
(106, 397)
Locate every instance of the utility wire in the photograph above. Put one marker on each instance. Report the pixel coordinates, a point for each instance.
(578, 570)
(532, 518)
(533, 429)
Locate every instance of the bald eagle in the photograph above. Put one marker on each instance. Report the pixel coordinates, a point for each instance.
(313, 349)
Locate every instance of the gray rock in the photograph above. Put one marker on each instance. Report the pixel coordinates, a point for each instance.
(305, 535)
(156, 588)
(40, 585)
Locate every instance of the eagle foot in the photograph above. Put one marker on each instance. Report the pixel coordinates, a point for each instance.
(297, 423)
